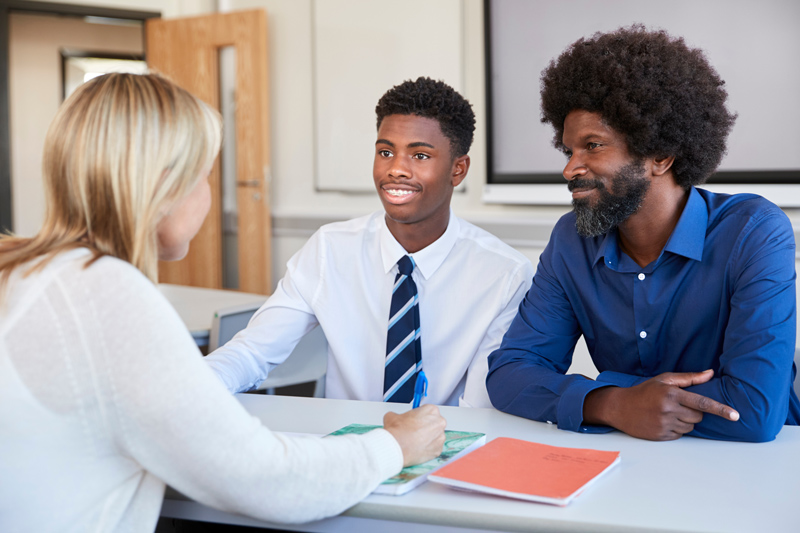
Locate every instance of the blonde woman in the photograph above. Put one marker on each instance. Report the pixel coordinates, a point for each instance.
(104, 397)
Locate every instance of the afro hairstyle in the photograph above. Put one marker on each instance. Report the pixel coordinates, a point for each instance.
(429, 98)
(664, 97)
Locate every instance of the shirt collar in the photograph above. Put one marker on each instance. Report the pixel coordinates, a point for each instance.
(429, 259)
(608, 249)
(687, 239)
(689, 236)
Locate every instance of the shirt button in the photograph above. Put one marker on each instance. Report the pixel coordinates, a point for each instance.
(641, 277)
(643, 334)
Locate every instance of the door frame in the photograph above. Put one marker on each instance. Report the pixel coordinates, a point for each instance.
(23, 6)
(187, 50)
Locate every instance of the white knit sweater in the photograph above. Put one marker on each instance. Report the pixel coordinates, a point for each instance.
(104, 398)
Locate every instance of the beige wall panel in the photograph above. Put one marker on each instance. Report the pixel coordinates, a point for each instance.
(35, 94)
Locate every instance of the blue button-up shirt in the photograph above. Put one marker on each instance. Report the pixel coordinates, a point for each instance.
(721, 295)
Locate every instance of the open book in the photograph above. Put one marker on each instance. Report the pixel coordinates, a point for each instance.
(527, 470)
(456, 444)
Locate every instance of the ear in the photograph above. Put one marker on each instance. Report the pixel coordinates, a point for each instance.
(460, 169)
(662, 165)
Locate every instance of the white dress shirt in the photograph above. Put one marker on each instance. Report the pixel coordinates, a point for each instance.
(469, 283)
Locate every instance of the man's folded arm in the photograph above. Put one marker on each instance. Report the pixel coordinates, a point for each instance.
(755, 371)
(754, 374)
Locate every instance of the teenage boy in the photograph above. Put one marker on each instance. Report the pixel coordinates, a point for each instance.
(406, 289)
(686, 298)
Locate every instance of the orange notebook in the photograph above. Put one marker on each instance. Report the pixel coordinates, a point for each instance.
(527, 470)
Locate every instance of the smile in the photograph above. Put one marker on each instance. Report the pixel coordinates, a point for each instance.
(398, 195)
(580, 193)
(583, 187)
(399, 192)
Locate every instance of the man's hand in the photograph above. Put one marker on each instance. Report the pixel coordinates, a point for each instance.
(658, 409)
(420, 433)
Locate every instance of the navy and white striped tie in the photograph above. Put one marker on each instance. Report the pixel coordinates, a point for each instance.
(403, 353)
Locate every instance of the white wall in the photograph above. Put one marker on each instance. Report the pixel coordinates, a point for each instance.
(294, 196)
(297, 206)
(292, 122)
(291, 67)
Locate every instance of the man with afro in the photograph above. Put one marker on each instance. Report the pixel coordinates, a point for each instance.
(686, 298)
(347, 278)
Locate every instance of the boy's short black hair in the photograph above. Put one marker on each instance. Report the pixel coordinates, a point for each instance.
(664, 97)
(429, 98)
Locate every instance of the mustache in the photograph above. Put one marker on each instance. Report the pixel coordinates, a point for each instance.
(585, 184)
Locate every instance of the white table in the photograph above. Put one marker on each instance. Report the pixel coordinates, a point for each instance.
(196, 306)
(684, 485)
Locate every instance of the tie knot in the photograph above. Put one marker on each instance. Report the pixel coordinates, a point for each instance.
(406, 265)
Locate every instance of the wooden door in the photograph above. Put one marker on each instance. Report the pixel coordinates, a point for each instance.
(187, 50)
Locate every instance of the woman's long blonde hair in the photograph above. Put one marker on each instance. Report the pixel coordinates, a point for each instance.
(119, 152)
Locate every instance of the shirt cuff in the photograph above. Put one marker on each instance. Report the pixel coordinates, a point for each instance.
(570, 407)
(229, 368)
(619, 379)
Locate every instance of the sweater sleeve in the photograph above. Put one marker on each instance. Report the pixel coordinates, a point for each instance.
(172, 415)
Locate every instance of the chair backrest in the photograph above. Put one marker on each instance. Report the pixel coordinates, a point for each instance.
(228, 322)
(797, 377)
(307, 362)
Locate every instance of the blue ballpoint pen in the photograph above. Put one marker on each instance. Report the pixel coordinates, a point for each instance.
(420, 388)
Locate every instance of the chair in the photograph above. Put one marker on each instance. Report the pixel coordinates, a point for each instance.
(797, 377)
(307, 362)
(228, 322)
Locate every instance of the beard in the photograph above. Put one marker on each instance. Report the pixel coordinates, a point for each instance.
(611, 208)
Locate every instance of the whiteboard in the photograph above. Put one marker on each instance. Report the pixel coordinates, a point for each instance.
(754, 46)
(362, 48)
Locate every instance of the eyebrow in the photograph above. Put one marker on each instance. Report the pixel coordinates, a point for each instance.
(410, 145)
(586, 138)
(593, 135)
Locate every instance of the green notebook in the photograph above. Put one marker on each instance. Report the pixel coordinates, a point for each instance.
(456, 444)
